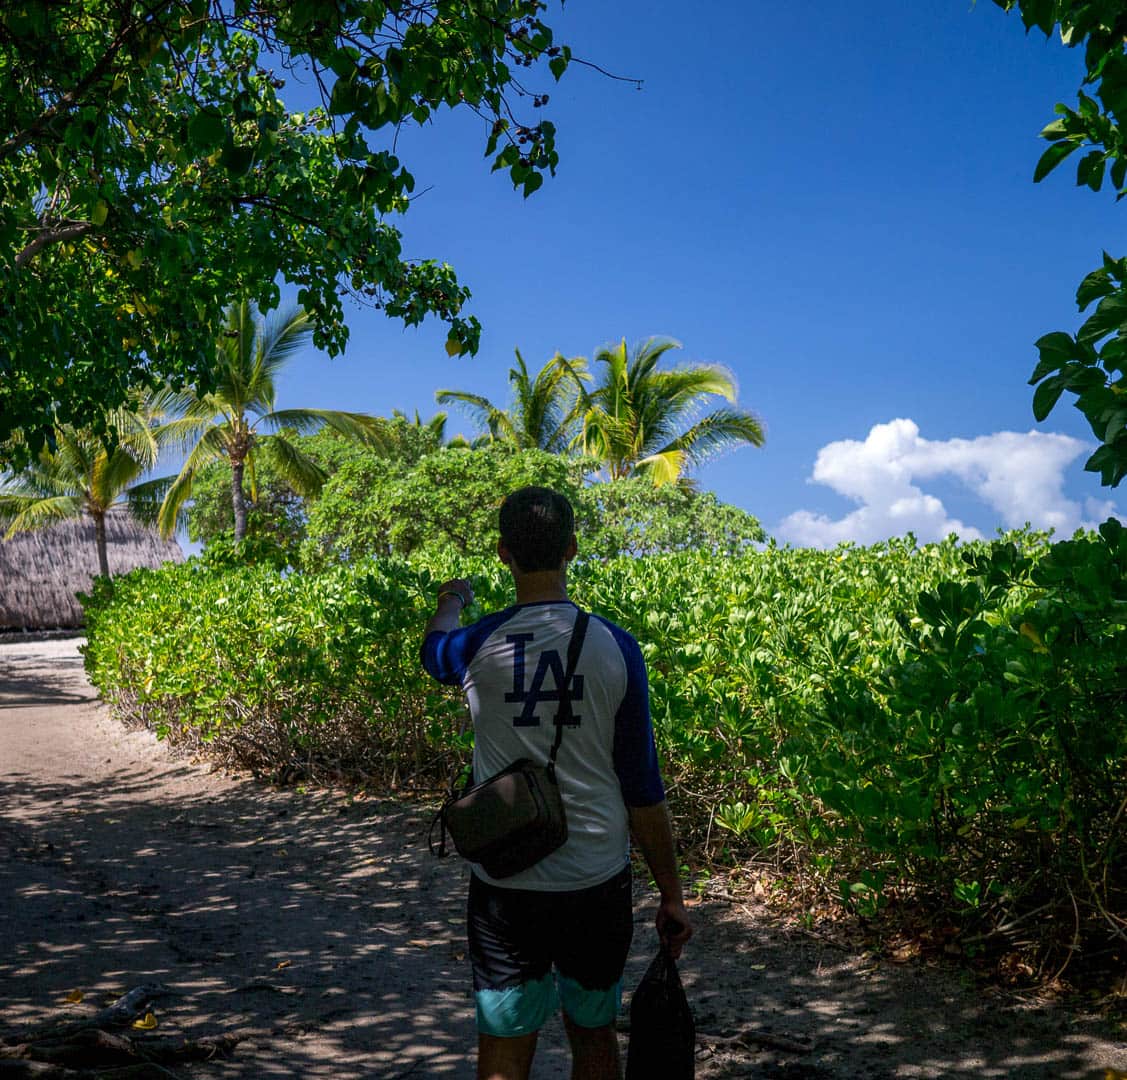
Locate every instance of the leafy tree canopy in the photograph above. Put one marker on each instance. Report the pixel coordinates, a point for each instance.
(448, 502)
(1091, 364)
(275, 510)
(150, 171)
(635, 517)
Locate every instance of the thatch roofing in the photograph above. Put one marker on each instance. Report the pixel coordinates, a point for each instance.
(41, 571)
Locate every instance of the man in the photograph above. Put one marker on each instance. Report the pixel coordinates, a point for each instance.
(570, 915)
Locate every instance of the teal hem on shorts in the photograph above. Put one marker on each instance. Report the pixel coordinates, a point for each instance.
(519, 1010)
(590, 1008)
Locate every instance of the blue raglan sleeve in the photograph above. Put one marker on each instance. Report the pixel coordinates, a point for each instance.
(445, 655)
(635, 756)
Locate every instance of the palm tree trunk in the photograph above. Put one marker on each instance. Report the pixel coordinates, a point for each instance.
(100, 543)
(238, 499)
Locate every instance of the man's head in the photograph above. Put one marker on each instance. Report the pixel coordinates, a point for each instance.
(537, 529)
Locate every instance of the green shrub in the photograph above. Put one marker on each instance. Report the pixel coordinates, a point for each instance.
(950, 718)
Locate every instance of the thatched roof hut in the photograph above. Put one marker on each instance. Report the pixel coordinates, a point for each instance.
(41, 571)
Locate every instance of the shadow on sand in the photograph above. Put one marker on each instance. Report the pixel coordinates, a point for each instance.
(321, 929)
(318, 926)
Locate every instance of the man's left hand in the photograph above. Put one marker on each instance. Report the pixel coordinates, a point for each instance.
(459, 587)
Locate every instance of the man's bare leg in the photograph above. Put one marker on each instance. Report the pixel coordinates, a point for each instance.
(505, 1059)
(594, 1052)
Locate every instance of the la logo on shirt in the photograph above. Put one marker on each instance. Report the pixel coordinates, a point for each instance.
(532, 697)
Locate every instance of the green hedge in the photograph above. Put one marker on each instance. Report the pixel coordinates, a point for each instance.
(950, 717)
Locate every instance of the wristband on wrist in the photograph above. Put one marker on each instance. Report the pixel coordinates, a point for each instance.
(451, 592)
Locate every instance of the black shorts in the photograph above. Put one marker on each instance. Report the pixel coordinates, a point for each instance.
(523, 942)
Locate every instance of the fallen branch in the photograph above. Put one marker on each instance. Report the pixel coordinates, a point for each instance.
(121, 1013)
(84, 1050)
(752, 1036)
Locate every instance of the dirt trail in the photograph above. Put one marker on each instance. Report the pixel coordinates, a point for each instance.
(319, 927)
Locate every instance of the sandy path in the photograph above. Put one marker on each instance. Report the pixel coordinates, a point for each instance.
(320, 928)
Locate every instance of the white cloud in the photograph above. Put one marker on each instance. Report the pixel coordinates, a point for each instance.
(1019, 477)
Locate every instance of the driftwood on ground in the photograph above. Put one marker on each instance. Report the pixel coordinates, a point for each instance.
(104, 1046)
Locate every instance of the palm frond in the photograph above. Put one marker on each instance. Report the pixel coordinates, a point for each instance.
(170, 513)
(723, 429)
(359, 426)
(284, 334)
(73, 456)
(36, 483)
(299, 470)
(23, 516)
(184, 433)
(145, 499)
(209, 448)
(111, 475)
(640, 417)
(559, 389)
(645, 356)
(482, 411)
(436, 426)
(234, 354)
(662, 468)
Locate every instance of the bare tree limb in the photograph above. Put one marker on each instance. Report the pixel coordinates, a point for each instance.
(70, 231)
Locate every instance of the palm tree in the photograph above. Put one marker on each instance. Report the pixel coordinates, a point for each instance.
(639, 420)
(86, 474)
(234, 422)
(545, 409)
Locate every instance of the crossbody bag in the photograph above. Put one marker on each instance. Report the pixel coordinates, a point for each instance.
(515, 818)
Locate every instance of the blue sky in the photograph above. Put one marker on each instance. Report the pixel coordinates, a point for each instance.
(835, 201)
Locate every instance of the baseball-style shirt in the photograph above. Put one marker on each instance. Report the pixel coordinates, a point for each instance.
(511, 665)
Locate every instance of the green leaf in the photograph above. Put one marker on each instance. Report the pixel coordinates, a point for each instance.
(1040, 14)
(1051, 158)
(1118, 171)
(1058, 343)
(237, 159)
(1104, 461)
(207, 129)
(1090, 170)
(343, 99)
(1110, 315)
(532, 182)
(1046, 396)
(1056, 350)
(1096, 285)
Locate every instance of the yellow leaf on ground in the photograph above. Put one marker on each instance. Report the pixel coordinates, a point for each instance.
(147, 1022)
(74, 997)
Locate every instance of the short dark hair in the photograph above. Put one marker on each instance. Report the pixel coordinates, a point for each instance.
(537, 525)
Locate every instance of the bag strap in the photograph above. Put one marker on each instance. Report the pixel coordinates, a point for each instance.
(564, 713)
